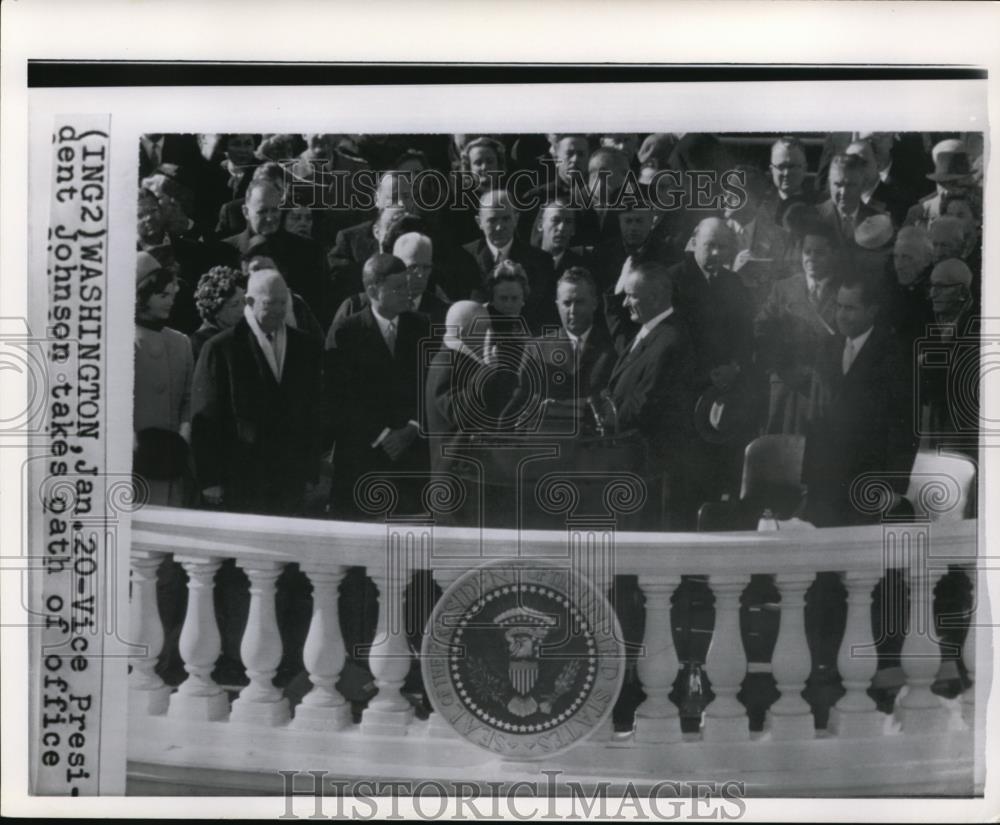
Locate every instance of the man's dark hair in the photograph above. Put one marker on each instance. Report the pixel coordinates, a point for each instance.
(579, 275)
(404, 225)
(655, 271)
(871, 293)
(850, 163)
(379, 267)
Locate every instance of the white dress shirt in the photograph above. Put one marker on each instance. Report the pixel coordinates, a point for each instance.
(503, 252)
(389, 330)
(852, 346)
(649, 326)
(272, 345)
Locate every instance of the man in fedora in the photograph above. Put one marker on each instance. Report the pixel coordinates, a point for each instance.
(952, 174)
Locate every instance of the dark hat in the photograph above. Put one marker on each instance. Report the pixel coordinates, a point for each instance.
(733, 417)
(951, 162)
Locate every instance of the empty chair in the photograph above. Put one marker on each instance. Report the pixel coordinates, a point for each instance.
(941, 485)
(772, 474)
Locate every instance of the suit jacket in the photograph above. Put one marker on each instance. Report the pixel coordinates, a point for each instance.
(790, 329)
(896, 199)
(463, 397)
(651, 386)
(568, 376)
(231, 219)
(432, 308)
(540, 308)
(719, 315)
(610, 256)
(303, 265)
(865, 425)
(182, 150)
(828, 214)
(258, 438)
(572, 256)
(371, 389)
(351, 248)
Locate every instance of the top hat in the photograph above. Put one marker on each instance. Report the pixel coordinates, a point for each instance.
(951, 162)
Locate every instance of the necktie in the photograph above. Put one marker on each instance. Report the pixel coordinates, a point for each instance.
(848, 355)
(390, 337)
(636, 342)
(847, 225)
(499, 257)
(814, 293)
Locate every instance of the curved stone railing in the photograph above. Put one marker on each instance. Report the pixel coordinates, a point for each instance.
(199, 727)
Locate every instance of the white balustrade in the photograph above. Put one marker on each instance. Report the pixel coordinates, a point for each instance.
(198, 697)
(725, 718)
(261, 702)
(920, 710)
(969, 657)
(790, 717)
(324, 550)
(389, 712)
(856, 714)
(657, 719)
(148, 695)
(323, 708)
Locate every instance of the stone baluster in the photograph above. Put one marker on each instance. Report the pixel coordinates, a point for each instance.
(323, 708)
(920, 710)
(969, 657)
(389, 712)
(260, 702)
(790, 717)
(856, 714)
(657, 719)
(725, 718)
(199, 698)
(148, 695)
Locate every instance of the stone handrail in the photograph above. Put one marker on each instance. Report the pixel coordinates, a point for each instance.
(324, 550)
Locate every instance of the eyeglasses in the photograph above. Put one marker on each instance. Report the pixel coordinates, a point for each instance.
(787, 167)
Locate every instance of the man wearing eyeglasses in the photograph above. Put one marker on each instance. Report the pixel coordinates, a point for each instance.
(788, 175)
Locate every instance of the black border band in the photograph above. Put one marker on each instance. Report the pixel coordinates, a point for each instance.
(70, 73)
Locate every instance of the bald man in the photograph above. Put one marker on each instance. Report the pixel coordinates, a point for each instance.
(416, 251)
(715, 304)
(465, 393)
(255, 408)
(718, 309)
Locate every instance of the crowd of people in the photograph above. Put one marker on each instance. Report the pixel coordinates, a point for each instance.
(314, 308)
(315, 311)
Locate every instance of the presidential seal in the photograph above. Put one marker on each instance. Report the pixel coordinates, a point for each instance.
(523, 659)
